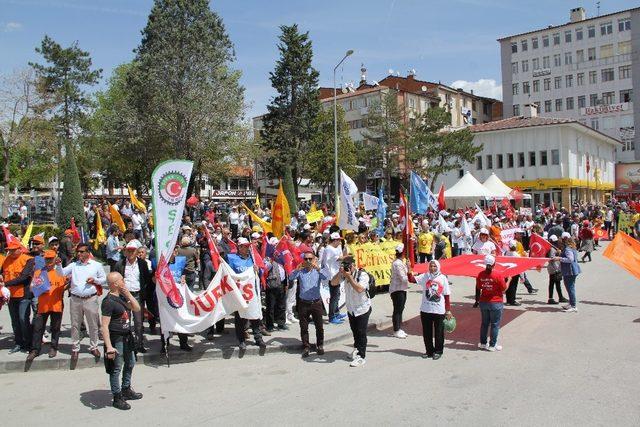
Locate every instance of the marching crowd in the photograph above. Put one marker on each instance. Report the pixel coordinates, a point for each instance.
(290, 294)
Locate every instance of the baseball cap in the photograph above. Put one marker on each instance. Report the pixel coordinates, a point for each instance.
(566, 235)
(134, 244)
(50, 253)
(489, 260)
(53, 239)
(255, 235)
(553, 238)
(37, 239)
(242, 241)
(186, 227)
(400, 247)
(484, 231)
(335, 236)
(306, 227)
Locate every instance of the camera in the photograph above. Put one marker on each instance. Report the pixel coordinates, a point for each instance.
(347, 266)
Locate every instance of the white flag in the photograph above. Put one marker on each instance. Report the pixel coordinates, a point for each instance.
(370, 202)
(442, 225)
(348, 190)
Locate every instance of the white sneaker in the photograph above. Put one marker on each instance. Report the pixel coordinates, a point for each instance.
(571, 310)
(288, 322)
(566, 307)
(483, 346)
(357, 362)
(400, 334)
(496, 348)
(46, 338)
(292, 319)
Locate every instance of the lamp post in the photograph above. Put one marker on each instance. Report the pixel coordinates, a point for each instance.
(335, 130)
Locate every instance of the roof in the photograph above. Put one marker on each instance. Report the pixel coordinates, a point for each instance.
(241, 171)
(468, 187)
(356, 93)
(413, 85)
(551, 27)
(520, 122)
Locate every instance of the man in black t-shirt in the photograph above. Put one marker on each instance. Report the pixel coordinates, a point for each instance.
(119, 344)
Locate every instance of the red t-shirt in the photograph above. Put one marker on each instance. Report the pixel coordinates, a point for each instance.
(492, 286)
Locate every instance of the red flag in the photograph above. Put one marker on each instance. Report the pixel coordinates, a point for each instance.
(600, 234)
(516, 194)
(494, 207)
(213, 249)
(257, 259)
(282, 250)
(442, 204)
(211, 216)
(471, 265)
(588, 164)
(9, 237)
(233, 248)
(552, 206)
(538, 247)
(327, 224)
(265, 243)
(76, 233)
(505, 204)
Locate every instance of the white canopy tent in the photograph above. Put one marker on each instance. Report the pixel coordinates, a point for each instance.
(467, 192)
(495, 185)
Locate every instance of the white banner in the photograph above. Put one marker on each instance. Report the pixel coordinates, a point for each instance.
(370, 202)
(348, 190)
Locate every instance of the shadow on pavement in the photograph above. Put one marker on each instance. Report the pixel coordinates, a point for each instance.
(328, 357)
(607, 304)
(96, 399)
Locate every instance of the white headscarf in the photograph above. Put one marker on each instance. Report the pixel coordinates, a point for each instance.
(437, 273)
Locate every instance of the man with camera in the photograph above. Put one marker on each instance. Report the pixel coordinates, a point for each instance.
(356, 286)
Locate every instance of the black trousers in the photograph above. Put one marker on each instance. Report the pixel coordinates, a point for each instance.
(39, 324)
(234, 230)
(399, 299)
(151, 302)
(241, 325)
(424, 257)
(512, 289)
(276, 307)
(315, 310)
(359, 326)
(138, 320)
(433, 330)
(334, 299)
(555, 279)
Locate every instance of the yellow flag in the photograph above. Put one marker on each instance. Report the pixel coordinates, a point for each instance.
(266, 226)
(101, 236)
(257, 203)
(139, 204)
(314, 216)
(27, 235)
(280, 216)
(116, 218)
(313, 207)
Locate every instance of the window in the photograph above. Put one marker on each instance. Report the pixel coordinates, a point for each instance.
(580, 79)
(579, 33)
(547, 84)
(593, 99)
(514, 68)
(510, 160)
(557, 60)
(460, 173)
(536, 86)
(556, 39)
(608, 98)
(412, 103)
(582, 101)
(535, 63)
(545, 41)
(555, 157)
(593, 77)
(525, 65)
(559, 104)
(624, 72)
(499, 161)
(591, 31)
(568, 80)
(516, 110)
(568, 58)
(624, 47)
(520, 160)
(489, 161)
(624, 24)
(543, 158)
(547, 106)
(625, 95)
(479, 163)
(607, 74)
(594, 124)
(557, 82)
(580, 56)
(608, 123)
(545, 62)
(534, 43)
(532, 158)
(523, 44)
(567, 36)
(514, 47)
(525, 87)
(591, 54)
(606, 28)
(570, 103)
(514, 88)
(606, 51)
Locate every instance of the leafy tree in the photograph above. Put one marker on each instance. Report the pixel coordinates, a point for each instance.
(433, 150)
(290, 121)
(319, 155)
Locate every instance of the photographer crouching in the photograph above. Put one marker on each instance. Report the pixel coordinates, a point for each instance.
(356, 287)
(119, 343)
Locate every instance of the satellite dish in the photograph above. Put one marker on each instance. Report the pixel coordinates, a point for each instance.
(398, 73)
(413, 71)
(375, 83)
(424, 88)
(344, 90)
(391, 71)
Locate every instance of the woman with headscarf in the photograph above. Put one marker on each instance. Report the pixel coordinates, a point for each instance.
(435, 307)
(586, 240)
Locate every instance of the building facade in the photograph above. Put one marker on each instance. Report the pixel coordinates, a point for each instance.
(584, 70)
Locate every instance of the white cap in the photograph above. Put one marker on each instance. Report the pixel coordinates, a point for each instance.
(273, 241)
(242, 241)
(52, 239)
(133, 244)
(496, 219)
(306, 227)
(553, 238)
(566, 235)
(484, 231)
(395, 215)
(489, 260)
(513, 244)
(335, 236)
(326, 231)
(255, 235)
(400, 247)
(186, 227)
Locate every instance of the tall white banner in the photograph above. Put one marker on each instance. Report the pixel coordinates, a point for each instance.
(348, 190)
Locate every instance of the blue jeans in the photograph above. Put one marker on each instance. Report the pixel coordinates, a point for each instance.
(491, 316)
(124, 356)
(334, 300)
(570, 284)
(20, 313)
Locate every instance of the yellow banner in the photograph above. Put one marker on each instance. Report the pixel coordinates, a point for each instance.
(376, 258)
(314, 216)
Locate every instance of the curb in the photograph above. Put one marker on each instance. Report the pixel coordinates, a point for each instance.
(200, 352)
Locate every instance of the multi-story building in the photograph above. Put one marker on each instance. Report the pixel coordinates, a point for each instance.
(584, 70)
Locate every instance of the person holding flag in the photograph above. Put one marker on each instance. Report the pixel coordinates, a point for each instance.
(555, 272)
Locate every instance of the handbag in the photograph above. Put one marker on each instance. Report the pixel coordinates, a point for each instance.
(450, 325)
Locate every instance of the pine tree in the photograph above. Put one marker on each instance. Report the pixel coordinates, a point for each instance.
(289, 124)
(71, 205)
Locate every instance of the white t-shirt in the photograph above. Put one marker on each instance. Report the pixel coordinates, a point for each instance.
(136, 220)
(132, 276)
(357, 303)
(330, 260)
(484, 248)
(433, 291)
(234, 218)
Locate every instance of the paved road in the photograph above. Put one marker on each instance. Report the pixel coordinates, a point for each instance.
(556, 369)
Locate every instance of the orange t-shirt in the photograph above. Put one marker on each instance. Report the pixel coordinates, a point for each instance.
(495, 234)
(11, 269)
(51, 301)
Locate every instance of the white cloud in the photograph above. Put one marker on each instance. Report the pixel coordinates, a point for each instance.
(483, 87)
(11, 26)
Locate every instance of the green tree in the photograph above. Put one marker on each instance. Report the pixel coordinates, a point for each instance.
(184, 87)
(319, 154)
(434, 151)
(290, 121)
(71, 205)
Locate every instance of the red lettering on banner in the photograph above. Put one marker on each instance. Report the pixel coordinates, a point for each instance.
(217, 292)
(195, 308)
(247, 292)
(224, 284)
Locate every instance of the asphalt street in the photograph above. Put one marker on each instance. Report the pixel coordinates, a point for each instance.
(556, 368)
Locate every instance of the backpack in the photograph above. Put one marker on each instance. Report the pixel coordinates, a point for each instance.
(371, 292)
(273, 278)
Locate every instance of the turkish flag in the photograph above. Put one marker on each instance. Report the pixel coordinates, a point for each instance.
(538, 247)
(471, 265)
(505, 204)
(213, 249)
(442, 204)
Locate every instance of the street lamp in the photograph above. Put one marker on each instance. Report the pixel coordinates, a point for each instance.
(335, 129)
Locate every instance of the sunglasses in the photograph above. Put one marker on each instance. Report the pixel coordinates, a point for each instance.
(308, 259)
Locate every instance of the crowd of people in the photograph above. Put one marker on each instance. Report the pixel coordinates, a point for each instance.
(71, 264)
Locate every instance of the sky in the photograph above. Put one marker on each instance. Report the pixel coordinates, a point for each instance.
(451, 41)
